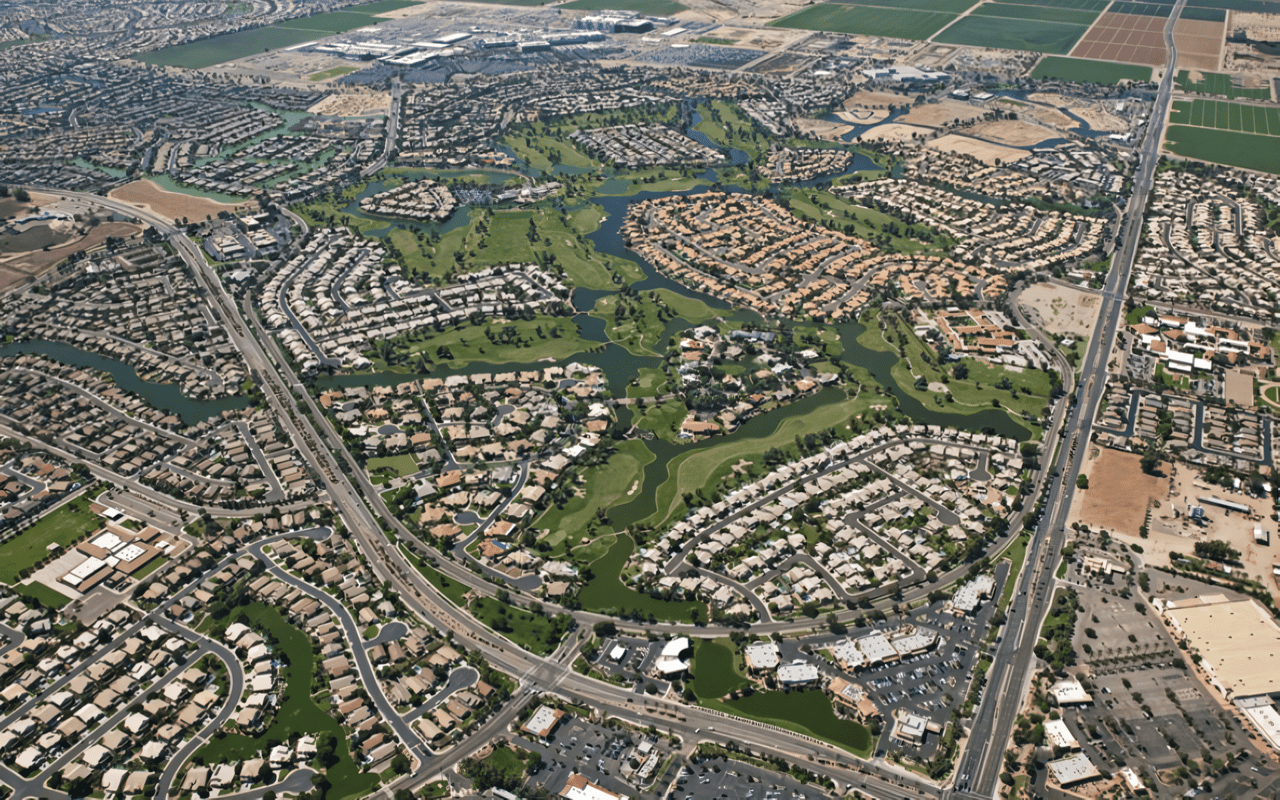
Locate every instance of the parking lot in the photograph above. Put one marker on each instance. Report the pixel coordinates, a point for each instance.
(718, 779)
(579, 746)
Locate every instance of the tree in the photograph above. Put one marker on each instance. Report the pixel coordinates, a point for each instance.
(1216, 550)
(1150, 459)
(21, 195)
(1082, 481)
(326, 749)
(605, 628)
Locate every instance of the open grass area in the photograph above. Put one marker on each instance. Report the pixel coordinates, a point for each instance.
(511, 763)
(637, 322)
(1027, 392)
(543, 152)
(607, 484)
(227, 47)
(715, 671)
(1219, 84)
(1247, 150)
(659, 8)
(298, 711)
(448, 587)
(606, 593)
(1135, 316)
(1227, 116)
(663, 419)
(325, 75)
(1081, 70)
(331, 22)
(728, 126)
(518, 341)
(871, 224)
(537, 633)
(1038, 36)
(383, 6)
(38, 591)
(808, 712)
(156, 563)
(945, 6)
(64, 525)
(1016, 552)
(392, 466)
(838, 18)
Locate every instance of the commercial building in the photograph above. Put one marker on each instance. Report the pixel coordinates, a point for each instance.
(579, 788)
(1072, 770)
(543, 722)
(1237, 641)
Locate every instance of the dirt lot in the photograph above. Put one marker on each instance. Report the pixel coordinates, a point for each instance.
(1096, 114)
(937, 114)
(863, 116)
(1199, 43)
(147, 195)
(1238, 388)
(822, 129)
(1119, 492)
(876, 100)
(895, 132)
(18, 267)
(1060, 309)
(1013, 132)
(986, 152)
(1130, 38)
(764, 39)
(1170, 532)
(352, 104)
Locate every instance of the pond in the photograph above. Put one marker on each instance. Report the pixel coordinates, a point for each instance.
(164, 396)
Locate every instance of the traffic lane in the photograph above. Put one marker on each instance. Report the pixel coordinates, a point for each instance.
(459, 679)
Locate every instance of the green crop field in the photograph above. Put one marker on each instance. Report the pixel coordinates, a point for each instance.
(1011, 11)
(383, 6)
(944, 6)
(656, 7)
(1204, 14)
(1085, 5)
(332, 22)
(1013, 34)
(1260, 6)
(64, 525)
(894, 22)
(1248, 150)
(227, 47)
(1082, 70)
(1219, 84)
(1180, 112)
(1226, 116)
(1142, 9)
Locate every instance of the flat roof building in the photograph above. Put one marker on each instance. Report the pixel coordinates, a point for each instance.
(543, 722)
(579, 788)
(762, 656)
(1073, 769)
(1238, 642)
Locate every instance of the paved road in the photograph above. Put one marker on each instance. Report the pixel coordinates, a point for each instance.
(461, 678)
(1014, 661)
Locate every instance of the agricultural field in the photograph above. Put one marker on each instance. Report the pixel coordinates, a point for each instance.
(944, 6)
(1043, 13)
(1226, 116)
(1247, 150)
(658, 8)
(1084, 5)
(332, 22)
(1219, 84)
(1014, 34)
(383, 6)
(866, 20)
(227, 47)
(1081, 70)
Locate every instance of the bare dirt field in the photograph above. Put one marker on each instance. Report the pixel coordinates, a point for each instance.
(895, 132)
(986, 152)
(1172, 532)
(1129, 38)
(1096, 114)
(822, 129)
(17, 267)
(937, 114)
(863, 116)
(1014, 133)
(352, 104)
(1119, 491)
(1060, 309)
(876, 100)
(764, 38)
(174, 205)
(1238, 388)
(1046, 115)
(1199, 43)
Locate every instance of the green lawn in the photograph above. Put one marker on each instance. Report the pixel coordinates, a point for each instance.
(383, 6)
(47, 596)
(1082, 70)
(1037, 36)
(298, 712)
(637, 322)
(971, 395)
(325, 75)
(331, 22)
(807, 711)
(715, 672)
(509, 762)
(895, 22)
(447, 586)
(517, 341)
(156, 563)
(614, 481)
(727, 126)
(536, 633)
(1135, 316)
(1016, 552)
(392, 466)
(828, 210)
(663, 419)
(65, 525)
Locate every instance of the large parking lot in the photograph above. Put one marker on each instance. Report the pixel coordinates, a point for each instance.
(718, 779)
